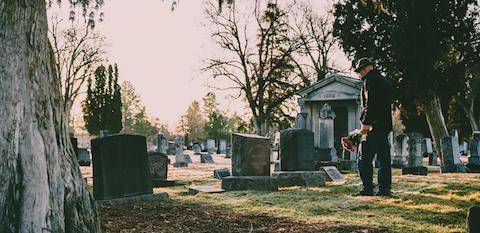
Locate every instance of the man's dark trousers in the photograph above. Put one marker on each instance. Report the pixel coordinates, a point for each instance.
(376, 144)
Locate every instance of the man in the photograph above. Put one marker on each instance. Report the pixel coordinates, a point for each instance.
(376, 123)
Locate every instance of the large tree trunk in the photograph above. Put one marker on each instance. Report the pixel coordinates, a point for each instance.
(41, 189)
(436, 123)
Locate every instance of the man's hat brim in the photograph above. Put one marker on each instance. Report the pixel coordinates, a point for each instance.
(361, 67)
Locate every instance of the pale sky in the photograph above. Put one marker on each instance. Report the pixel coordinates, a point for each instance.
(160, 52)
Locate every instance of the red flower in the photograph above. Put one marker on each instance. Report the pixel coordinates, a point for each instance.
(347, 144)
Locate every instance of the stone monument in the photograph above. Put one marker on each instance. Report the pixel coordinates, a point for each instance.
(401, 153)
(197, 149)
(451, 156)
(222, 147)
(250, 164)
(327, 151)
(179, 156)
(474, 155)
(162, 144)
(120, 167)
(211, 146)
(159, 169)
(414, 163)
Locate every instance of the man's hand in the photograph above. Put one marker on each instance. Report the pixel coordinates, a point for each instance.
(366, 128)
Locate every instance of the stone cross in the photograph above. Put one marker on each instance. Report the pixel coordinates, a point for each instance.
(180, 157)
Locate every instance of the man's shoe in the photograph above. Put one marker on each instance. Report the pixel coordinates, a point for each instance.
(363, 193)
(384, 193)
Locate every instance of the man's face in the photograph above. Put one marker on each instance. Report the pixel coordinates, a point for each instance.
(363, 71)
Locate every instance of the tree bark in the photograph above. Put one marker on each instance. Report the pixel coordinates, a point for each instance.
(436, 123)
(42, 189)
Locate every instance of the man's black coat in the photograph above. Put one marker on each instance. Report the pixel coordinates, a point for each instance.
(376, 100)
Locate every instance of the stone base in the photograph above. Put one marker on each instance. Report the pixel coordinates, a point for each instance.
(455, 168)
(300, 178)
(259, 183)
(473, 168)
(398, 163)
(419, 171)
(180, 164)
(162, 183)
(134, 199)
(326, 155)
(349, 165)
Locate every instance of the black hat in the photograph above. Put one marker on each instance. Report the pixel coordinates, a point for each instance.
(362, 62)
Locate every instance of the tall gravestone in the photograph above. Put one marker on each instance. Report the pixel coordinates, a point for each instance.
(414, 164)
(250, 164)
(222, 146)
(401, 153)
(120, 167)
(297, 161)
(327, 151)
(451, 156)
(162, 144)
(474, 156)
(297, 150)
(211, 146)
(427, 149)
(179, 156)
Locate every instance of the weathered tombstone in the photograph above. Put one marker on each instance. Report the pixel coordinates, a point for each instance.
(251, 155)
(188, 159)
(171, 148)
(222, 146)
(451, 156)
(414, 164)
(327, 151)
(474, 155)
(180, 157)
(120, 167)
(159, 169)
(296, 150)
(428, 151)
(211, 146)
(401, 153)
(250, 164)
(162, 144)
(83, 157)
(221, 173)
(193, 190)
(473, 219)
(206, 158)
(228, 153)
(197, 149)
(333, 174)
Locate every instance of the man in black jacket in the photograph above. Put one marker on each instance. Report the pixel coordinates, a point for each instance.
(376, 123)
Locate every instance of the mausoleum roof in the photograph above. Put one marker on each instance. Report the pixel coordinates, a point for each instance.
(331, 78)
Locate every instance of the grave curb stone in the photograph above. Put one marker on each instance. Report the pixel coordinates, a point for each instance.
(134, 199)
(194, 190)
(258, 183)
(300, 178)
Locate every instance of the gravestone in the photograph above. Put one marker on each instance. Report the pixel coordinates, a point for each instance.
(228, 153)
(333, 174)
(206, 158)
(296, 150)
(194, 190)
(474, 155)
(74, 142)
(401, 153)
(327, 151)
(159, 169)
(414, 164)
(211, 146)
(222, 146)
(473, 219)
(197, 149)
(120, 167)
(301, 120)
(250, 164)
(179, 157)
(221, 173)
(162, 144)
(250, 155)
(451, 156)
(171, 148)
(464, 148)
(432, 156)
(188, 159)
(83, 157)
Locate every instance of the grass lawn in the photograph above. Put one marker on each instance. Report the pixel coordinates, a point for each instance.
(433, 203)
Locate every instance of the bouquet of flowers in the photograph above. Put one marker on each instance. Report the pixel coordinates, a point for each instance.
(352, 141)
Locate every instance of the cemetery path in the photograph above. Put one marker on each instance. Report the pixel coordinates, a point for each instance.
(174, 216)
